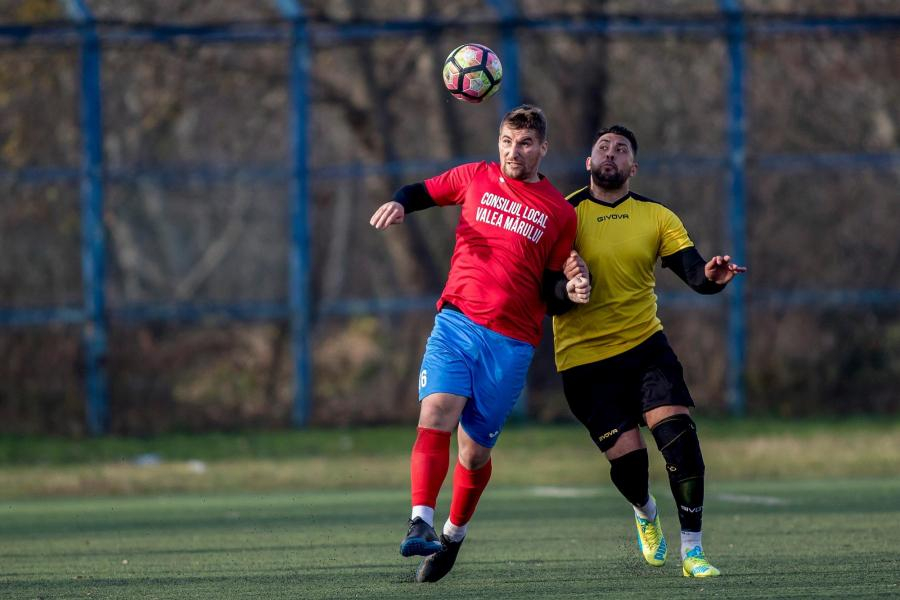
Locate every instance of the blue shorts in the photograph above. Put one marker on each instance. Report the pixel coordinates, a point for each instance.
(488, 368)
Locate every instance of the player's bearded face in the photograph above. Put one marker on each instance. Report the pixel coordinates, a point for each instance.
(607, 175)
(611, 162)
(521, 152)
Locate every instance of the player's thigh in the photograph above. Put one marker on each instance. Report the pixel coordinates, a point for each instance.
(605, 398)
(662, 377)
(653, 416)
(448, 360)
(499, 378)
(626, 443)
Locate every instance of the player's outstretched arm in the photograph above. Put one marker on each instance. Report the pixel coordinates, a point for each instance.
(388, 214)
(704, 277)
(721, 270)
(407, 199)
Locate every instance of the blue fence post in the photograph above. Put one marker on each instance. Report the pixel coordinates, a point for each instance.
(92, 314)
(737, 314)
(509, 54)
(299, 296)
(93, 245)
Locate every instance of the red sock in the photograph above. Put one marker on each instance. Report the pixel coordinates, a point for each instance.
(429, 465)
(467, 488)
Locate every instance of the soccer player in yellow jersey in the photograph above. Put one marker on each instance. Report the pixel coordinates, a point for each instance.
(617, 367)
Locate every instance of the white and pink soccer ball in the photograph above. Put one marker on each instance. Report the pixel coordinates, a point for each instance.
(472, 72)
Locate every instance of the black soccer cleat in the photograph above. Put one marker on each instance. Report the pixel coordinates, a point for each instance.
(439, 564)
(420, 540)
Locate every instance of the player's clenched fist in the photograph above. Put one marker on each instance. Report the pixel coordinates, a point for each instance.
(579, 289)
(387, 214)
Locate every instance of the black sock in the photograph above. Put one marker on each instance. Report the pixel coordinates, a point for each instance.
(631, 476)
(688, 496)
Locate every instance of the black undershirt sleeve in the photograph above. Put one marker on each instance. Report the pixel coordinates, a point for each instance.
(553, 290)
(414, 197)
(688, 265)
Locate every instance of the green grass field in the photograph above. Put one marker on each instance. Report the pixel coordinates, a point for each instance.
(771, 539)
(549, 526)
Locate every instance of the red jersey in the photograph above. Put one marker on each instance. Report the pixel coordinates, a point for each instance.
(509, 232)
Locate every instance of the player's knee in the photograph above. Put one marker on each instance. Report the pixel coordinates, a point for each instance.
(474, 460)
(630, 474)
(676, 438)
(472, 455)
(440, 411)
(635, 461)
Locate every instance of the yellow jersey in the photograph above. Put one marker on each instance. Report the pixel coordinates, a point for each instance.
(620, 242)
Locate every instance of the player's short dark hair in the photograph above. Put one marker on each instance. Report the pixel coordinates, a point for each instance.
(618, 130)
(526, 116)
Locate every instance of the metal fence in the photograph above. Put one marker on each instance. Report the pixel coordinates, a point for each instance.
(304, 34)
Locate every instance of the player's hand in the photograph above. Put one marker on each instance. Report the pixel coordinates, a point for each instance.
(388, 214)
(721, 270)
(575, 266)
(579, 289)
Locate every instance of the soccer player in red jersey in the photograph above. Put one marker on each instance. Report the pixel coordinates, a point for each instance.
(514, 235)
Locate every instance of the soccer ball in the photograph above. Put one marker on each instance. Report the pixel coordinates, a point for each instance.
(472, 72)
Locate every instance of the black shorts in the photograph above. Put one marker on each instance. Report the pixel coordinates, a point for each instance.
(611, 396)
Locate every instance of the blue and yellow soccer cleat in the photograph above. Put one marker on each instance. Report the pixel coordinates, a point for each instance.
(696, 565)
(651, 541)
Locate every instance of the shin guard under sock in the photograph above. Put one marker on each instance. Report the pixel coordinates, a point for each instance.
(677, 440)
(467, 488)
(428, 465)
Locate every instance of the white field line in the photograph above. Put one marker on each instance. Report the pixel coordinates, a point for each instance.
(552, 491)
(749, 499)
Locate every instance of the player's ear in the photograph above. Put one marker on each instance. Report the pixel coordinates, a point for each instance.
(634, 169)
(587, 164)
(544, 145)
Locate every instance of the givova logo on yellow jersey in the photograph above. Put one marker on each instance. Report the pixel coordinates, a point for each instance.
(612, 217)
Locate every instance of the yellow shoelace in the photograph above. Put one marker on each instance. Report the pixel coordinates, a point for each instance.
(650, 531)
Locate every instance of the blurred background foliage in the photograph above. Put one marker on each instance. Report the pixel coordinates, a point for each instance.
(379, 100)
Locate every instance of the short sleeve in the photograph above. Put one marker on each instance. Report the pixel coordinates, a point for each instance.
(673, 236)
(450, 186)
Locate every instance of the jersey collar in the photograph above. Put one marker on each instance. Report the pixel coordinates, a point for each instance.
(612, 204)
